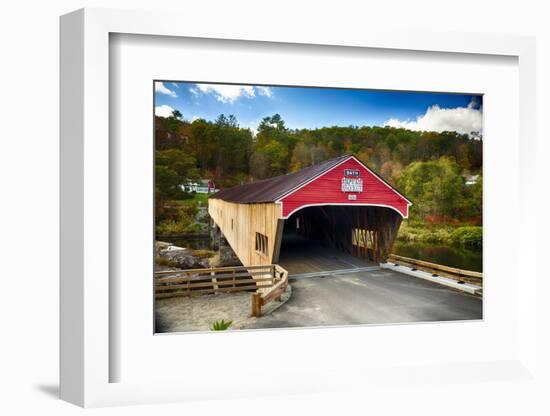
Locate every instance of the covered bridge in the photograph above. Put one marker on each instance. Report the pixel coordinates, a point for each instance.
(339, 203)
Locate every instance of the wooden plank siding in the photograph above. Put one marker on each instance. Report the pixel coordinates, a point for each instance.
(327, 190)
(239, 224)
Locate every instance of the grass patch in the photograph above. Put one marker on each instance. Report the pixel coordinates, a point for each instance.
(177, 227)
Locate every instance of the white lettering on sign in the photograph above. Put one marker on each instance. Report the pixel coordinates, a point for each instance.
(352, 185)
(351, 172)
(352, 197)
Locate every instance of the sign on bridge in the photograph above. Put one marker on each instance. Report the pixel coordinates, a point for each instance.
(352, 185)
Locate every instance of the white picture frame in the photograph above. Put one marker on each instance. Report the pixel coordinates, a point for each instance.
(86, 356)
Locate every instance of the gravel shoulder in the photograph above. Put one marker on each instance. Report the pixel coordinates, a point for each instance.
(183, 313)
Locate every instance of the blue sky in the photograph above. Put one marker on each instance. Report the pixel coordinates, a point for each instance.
(319, 107)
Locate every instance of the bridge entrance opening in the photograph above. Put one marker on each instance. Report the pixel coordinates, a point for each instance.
(333, 237)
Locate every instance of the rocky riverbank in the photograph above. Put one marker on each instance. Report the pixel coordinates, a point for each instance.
(168, 255)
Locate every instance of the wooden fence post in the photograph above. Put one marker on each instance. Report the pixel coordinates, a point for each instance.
(215, 286)
(256, 304)
(275, 279)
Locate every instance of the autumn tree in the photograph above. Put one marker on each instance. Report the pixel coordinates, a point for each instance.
(259, 168)
(436, 187)
(173, 168)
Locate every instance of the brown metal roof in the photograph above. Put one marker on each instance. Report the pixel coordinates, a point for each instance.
(270, 190)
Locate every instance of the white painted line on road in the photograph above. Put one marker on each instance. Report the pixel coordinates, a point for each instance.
(333, 272)
(464, 287)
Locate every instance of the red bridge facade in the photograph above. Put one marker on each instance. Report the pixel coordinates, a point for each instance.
(348, 183)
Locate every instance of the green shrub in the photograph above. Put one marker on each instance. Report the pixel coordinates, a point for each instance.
(424, 234)
(221, 325)
(464, 236)
(177, 227)
(468, 236)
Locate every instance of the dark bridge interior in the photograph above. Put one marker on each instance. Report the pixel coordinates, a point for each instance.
(337, 236)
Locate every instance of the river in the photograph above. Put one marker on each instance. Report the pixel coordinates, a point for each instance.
(461, 258)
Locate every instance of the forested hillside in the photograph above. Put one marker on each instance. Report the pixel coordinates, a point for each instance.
(430, 168)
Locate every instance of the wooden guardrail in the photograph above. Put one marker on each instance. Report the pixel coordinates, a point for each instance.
(193, 282)
(438, 269)
(260, 299)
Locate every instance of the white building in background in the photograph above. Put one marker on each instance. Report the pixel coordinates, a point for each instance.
(202, 186)
(471, 180)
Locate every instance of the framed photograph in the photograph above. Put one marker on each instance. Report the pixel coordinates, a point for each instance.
(254, 211)
(293, 202)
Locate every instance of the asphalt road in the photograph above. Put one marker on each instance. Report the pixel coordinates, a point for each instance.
(300, 255)
(373, 297)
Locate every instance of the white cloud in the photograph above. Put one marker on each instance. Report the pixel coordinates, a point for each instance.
(253, 128)
(161, 88)
(266, 91)
(230, 93)
(163, 111)
(463, 120)
(194, 91)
